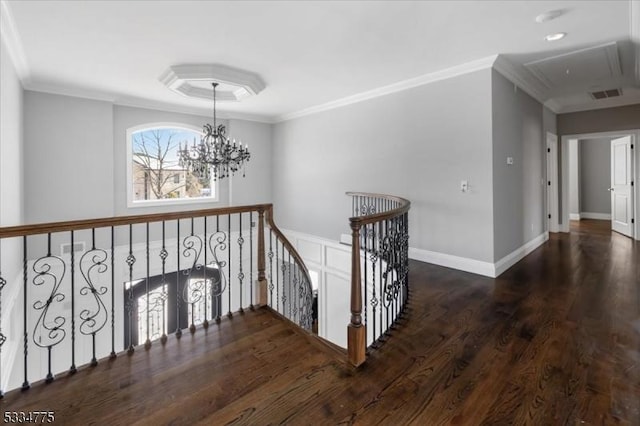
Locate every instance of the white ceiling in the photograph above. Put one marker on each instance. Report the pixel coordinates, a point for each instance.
(308, 53)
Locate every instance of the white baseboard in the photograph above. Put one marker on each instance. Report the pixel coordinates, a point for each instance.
(515, 256)
(488, 269)
(599, 216)
(450, 261)
(574, 216)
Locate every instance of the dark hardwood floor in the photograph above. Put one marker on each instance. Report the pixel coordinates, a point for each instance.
(553, 341)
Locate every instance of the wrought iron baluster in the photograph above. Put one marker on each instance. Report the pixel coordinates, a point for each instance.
(178, 332)
(289, 276)
(382, 260)
(72, 369)
(250, 261)
(3, 338)
(192, 290)
(131, 260)
(229, 314)
(164, 254)
(284, 294)
(365, 254)
(113, 302)
(147, 343)
(25, 348)
(240, 272)
(218, 242)
(277, 285)
(270, 256)
(205, 323)
(92, 322)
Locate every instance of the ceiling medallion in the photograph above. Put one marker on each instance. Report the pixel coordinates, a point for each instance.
(194, 81)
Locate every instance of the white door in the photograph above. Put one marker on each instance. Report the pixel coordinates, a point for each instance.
(621, 186)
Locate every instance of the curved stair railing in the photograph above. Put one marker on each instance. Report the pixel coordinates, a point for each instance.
(379, 269)
(78, 291)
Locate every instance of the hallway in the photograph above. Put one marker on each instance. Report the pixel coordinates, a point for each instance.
(550, 342)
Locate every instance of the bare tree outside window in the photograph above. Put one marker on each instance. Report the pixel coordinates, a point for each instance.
(156, 172)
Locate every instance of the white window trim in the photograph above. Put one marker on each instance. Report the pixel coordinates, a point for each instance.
(168, 201)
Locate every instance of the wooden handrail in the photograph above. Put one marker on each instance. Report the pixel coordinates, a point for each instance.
(286, 243)
(74, 225)
(404, 207)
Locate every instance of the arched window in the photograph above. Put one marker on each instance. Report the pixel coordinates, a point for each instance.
(154, 174)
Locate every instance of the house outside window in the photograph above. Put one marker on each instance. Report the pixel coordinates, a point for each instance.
(154, 174)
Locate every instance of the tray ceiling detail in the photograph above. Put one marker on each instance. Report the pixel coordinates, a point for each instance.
(194, 81)
(582, 67)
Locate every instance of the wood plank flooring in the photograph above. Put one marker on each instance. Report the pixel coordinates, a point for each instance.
(553, 341)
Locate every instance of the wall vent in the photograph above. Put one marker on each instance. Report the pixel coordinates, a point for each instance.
(65, 249)
(603, 94)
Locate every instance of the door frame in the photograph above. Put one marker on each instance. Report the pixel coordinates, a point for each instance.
(553, 222)
(635, 160)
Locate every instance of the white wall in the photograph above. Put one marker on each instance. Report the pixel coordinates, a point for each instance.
(419, 143)
(518, 189)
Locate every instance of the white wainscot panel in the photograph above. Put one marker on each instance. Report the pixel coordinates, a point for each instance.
(339, 259)
(310, 251)
(337, 312)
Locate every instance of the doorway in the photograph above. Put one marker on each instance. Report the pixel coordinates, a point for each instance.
(598, 175)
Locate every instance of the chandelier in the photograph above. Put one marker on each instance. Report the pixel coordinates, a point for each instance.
(215, 154)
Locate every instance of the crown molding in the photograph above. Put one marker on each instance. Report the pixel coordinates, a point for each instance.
(141, 103)
(11, 38)
(422, 80)
(184, 109)
(521, 78)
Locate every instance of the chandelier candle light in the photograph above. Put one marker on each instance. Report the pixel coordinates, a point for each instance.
(215, 152)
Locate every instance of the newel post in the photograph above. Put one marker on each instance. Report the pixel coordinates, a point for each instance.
(262, 280)
(356, 332)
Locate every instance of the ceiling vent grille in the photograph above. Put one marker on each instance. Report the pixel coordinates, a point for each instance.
(603, 94)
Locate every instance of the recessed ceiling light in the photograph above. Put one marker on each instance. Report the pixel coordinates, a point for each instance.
(555, 36)
(548, 16)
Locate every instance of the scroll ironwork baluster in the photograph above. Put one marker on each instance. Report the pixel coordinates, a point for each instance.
(284, 293)
(192, 291)
(93, 321)
(289, 276)
(49, 332)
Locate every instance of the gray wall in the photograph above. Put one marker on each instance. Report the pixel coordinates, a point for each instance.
(69, 171)
(418, 143)
(600, 120)
(574, 177)
(255, 187)
(518, 190)
(11, 160)
(11, 142)
(595, 175)
(77, 158)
